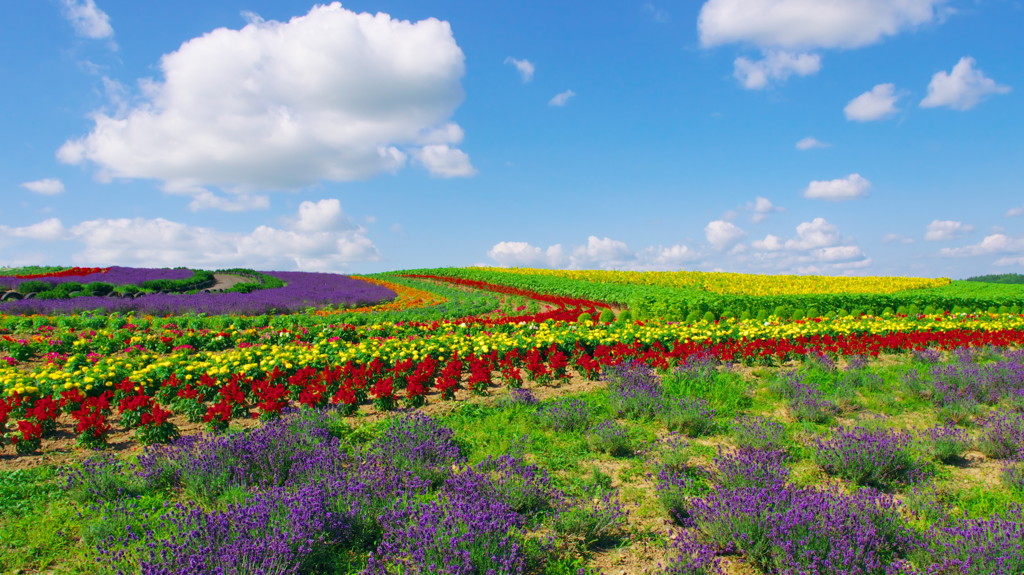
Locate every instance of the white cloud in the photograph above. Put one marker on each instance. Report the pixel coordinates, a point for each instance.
(1014, 212)
(840, 254)
(597, 253)
(961, 89)
(603, 253)
(775, 66)
(443, 161)
(770, 243)
(941, 230)
(810, 143)
(848, 188)
(876, 104)
(817, 248)
(810, 24)
(992, 244)
(207, 200)
(46, 230)
(47, 187)
(723, 235)
(761, 208)
(332, 95)
(562, 98)
(322, 216)
(87, 19)
(672, 257)
(522, 254)
(320, 238)
(817, 233)
(525, 68)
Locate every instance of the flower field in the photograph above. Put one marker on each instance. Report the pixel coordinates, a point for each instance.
(471, 420)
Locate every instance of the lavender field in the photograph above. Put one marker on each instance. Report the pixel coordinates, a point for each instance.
(302, 290)
(905, 465)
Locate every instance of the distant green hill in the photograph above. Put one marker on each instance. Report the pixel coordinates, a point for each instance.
(999, 279)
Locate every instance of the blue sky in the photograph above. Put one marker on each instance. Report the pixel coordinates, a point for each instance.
(863, 137)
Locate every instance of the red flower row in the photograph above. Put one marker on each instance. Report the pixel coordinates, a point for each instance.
(70, 272)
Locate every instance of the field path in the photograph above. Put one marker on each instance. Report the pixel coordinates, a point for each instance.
(228, 281)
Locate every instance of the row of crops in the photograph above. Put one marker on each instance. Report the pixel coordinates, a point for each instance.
(691, 296)
(814, 459)
(420, 333)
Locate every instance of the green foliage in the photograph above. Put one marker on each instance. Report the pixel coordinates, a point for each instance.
(33, 286)
(998, 279)
(606, 316)
(691, 304)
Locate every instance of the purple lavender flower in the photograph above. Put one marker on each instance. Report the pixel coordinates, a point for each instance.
(974, 546)
(947, 443)
(752, 468)
(755, 432)
(792, 531)
(566, 415)
(466, 531)
(417, 443)
(688, 556)
(1002, 436)
(635, 390)
(610, 437)
(302, 290)
(873, 458)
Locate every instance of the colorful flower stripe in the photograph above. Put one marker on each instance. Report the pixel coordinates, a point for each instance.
(218, 387)
(71, 272)
(741, 284)
(408, 298)
(394, 343)
(567, 308)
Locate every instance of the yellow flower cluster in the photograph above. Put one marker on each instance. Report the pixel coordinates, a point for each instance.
(150, 369)
(742, 284)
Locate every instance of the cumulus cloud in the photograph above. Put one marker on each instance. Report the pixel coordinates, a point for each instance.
(961, 89)
(761, 208)
(810, 143)
(87, 19)
(941, 230)
(331, 95)
(561, 99)
(817, 233)
(876, 104)
(443, 161)
(46, 230)
(1014, 212)
(848, 188)
(992, 244)
(207, 200)
(596, 253)
(524, 255)
(723, 235)
(775, 66)
(525, 68)
(601, 252)
(46, 187)
(787, 31)
(320, 238)
(808, 24)
(818, 247)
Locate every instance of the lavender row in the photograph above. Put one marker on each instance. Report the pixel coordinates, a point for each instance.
(116, 275)
(407, 500)
(302, 290)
